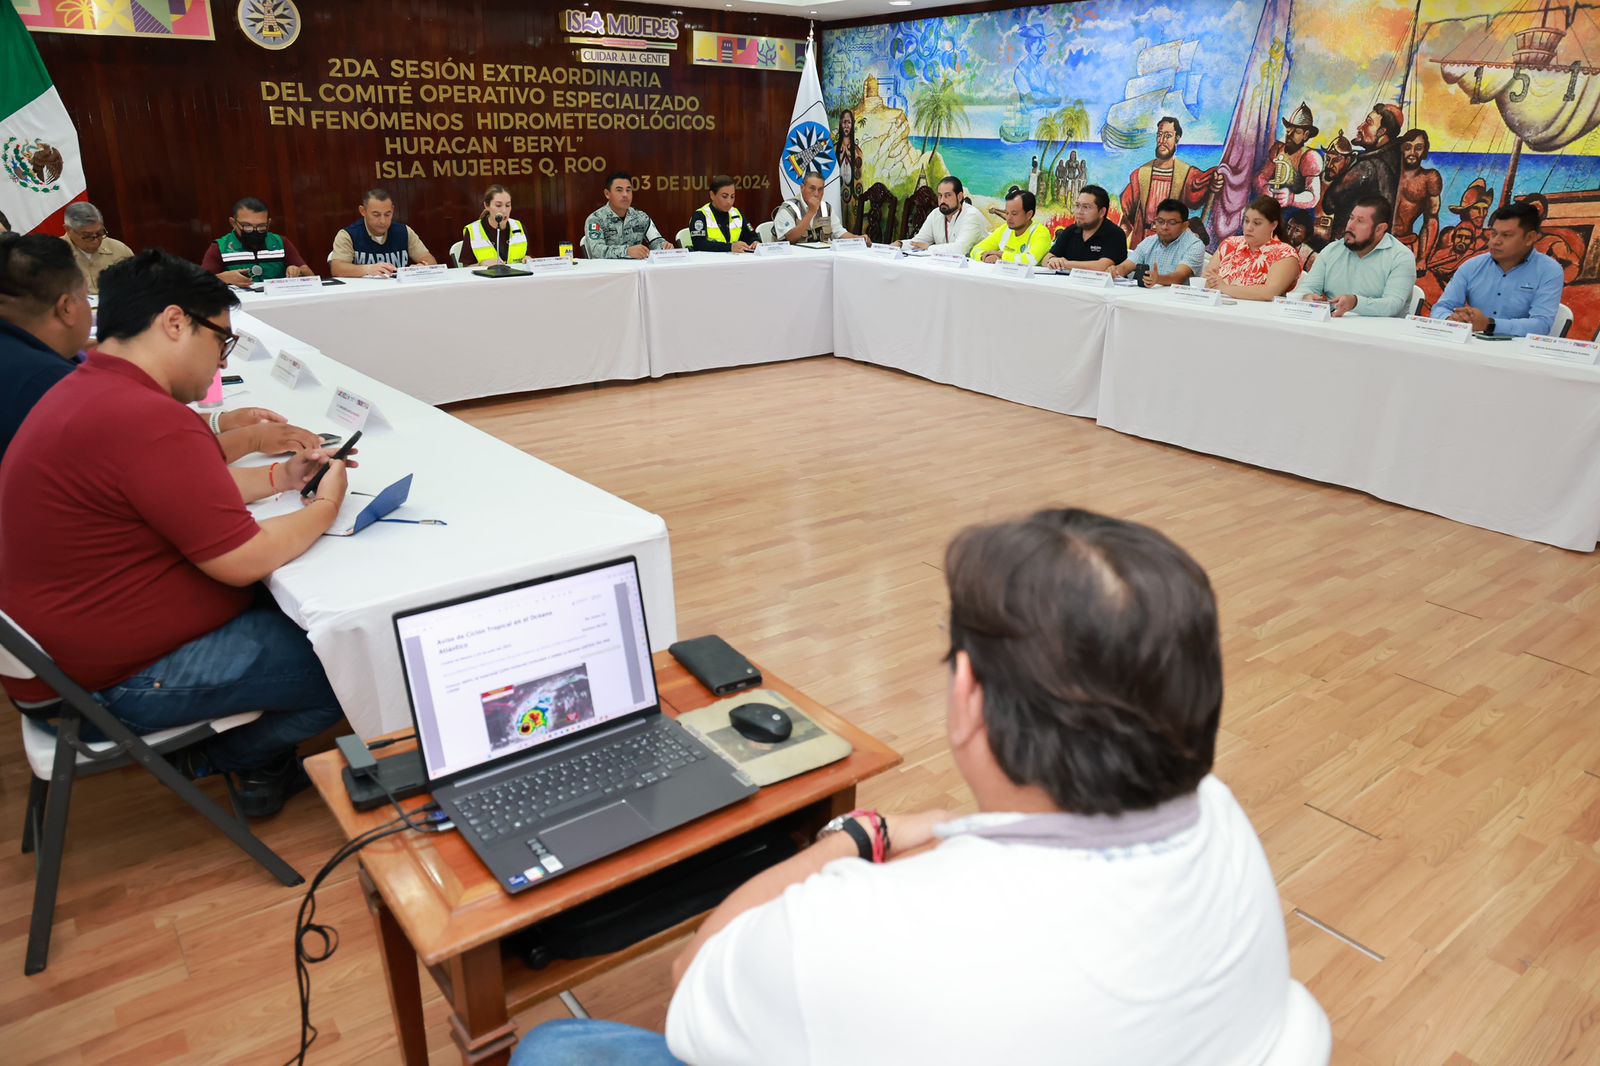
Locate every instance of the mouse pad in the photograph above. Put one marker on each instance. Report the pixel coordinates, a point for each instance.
(808, 746)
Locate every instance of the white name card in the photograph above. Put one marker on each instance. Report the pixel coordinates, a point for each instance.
(550, 264)
(775, 248)
(421, 273)
(886, 251)
(1439, 329)
(669, 255)
(1015, 269)
(950, 259)
(1094, 279)
(1188, 294)
(291, 370)
(850, 244)
(354, 412)
(249, 347)
(1301, 310)
(279, 286)
(1567, 349)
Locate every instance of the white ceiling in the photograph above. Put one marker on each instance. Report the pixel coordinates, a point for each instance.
(825, 10)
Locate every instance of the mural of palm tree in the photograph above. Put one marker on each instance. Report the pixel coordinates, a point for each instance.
(938, 110)
(1057, 130)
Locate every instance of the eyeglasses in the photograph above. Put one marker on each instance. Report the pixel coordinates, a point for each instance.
(97, 235)
(229, 338)
(245, 227)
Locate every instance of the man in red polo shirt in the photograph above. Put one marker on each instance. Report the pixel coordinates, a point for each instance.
(127, 552)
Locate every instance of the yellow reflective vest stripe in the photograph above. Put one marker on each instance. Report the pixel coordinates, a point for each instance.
(714, 232)
(483, 245)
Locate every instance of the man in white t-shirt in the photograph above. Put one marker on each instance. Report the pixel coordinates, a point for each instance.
(1142, 927)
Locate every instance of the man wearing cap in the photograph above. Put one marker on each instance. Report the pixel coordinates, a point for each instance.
(1292, 174)
(1375, 170)
(95, 250)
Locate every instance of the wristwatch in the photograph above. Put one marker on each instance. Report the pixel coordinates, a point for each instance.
(848, 825)
(1488, 328)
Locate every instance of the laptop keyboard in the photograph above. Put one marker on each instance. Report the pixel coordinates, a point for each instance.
(613, 769)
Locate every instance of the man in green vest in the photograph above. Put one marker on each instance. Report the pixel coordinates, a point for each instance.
(251, 252)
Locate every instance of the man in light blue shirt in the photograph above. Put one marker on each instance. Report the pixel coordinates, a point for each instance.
(1510, 290)
(1172, 254)
(1368, 273)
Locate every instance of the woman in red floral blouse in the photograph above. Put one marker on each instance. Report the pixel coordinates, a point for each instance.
(1259, 265)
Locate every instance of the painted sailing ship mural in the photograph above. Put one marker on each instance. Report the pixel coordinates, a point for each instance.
(1451, 108)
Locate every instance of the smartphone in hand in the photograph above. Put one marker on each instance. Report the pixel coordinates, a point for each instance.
(316, 480)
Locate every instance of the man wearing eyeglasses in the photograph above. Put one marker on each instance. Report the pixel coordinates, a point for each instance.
(86, 232)
(126, 549)
(251, 252)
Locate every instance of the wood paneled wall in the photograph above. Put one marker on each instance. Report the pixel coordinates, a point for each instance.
(173, 132)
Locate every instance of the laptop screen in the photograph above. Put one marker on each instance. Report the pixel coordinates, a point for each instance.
(504, 672)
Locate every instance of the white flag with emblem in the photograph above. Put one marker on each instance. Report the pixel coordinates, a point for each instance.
(808, 145)
(41, 171)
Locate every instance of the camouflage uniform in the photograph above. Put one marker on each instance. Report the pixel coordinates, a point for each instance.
(605, 236)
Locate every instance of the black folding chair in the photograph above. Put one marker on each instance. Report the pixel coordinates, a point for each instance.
(65, 756)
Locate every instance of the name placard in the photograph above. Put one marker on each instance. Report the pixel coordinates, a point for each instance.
(1301, 310)
(550, 264)
(421, 273)
(1094, 279)
(1015, 269)
(775, 248)
(850, 244)
(886, 251)
(354, 412)
(1567, 349)
(1193, 297)
(950, 259)
(249, 347)
(669, 255)
(1439, 329)
(291, 370)
(279, 286)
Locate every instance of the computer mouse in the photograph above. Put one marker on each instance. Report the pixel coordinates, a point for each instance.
(761, 722)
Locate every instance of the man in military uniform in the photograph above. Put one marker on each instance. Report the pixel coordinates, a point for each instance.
(618, 230)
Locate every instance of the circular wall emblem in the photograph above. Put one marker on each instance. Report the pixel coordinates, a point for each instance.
(34, 165)
(809, 148)
(273, 24)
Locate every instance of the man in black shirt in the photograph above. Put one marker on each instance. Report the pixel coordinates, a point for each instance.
(718, 226)
(44, 323)
(1090, 243)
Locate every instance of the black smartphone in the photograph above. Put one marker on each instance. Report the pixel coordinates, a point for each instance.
(232, 379)
(329, 439)
(311, 486)
(1494, 336)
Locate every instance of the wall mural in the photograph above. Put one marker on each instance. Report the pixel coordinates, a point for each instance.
(1448, 107)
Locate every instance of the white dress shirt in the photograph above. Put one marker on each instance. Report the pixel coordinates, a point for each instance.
(957, 233)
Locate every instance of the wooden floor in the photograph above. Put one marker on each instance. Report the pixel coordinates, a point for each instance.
(1411, 721)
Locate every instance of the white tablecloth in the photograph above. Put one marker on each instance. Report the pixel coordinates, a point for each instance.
(717, 309)
(1474, 432)
(1036, 341)
(461, 336)
(511, 517)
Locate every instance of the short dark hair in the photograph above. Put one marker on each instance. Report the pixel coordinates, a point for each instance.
(1525, 215)
(1175, 207)
(1413, 134)
(1029, 201)
(1102, 199)
(135, 291)
(1382, 209)
(249, 203)
(718, 181)
(614, 175)
(954, 183)
(36, 270)
(375, 194)
(5, 223)
(1096, 643)
(1168, 120)
(1388, 118)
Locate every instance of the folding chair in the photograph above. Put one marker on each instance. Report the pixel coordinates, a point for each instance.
(58, 759)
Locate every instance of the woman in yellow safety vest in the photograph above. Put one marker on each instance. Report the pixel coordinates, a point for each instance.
(496, 237)
(717, 226)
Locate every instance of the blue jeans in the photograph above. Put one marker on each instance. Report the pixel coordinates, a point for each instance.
(260, 661)
(586, 1042)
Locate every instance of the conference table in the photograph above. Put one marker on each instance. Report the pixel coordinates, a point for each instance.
(1481, 432)
(509, 517)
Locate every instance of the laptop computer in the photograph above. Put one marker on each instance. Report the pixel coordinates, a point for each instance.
(540, 726)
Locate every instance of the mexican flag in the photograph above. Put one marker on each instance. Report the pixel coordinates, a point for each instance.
(41, 171)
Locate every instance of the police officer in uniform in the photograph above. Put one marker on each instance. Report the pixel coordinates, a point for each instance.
(717, 226)
(619, 230)
(377, 245)
(496, 237)
(808, 217)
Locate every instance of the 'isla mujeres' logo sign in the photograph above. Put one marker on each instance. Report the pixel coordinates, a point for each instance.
(273, 24)
(635, 40)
